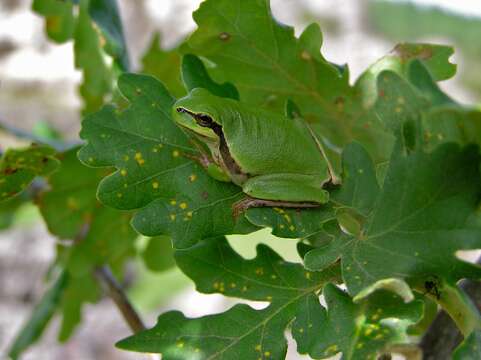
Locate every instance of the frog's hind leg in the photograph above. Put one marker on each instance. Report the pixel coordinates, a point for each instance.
(248, 202)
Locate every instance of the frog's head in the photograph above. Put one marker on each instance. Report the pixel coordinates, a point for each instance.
(196, 113)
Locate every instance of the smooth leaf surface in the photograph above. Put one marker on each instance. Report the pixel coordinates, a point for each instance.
(155, 172)
(18, 168)
(194, 75)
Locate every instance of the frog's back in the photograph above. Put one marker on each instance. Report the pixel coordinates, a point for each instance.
(264, 142)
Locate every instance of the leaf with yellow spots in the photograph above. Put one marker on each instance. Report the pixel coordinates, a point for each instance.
(19, 167)
(417, 224)
(156, 174)
(240, 331)
(362, 330)
(216, 268)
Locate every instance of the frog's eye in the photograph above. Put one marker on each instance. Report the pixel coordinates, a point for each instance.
(203, 120)
(200, 119)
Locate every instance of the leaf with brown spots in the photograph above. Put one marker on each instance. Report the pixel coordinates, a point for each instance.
(18, 168)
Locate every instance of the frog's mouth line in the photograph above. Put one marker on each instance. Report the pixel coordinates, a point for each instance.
(206, 121)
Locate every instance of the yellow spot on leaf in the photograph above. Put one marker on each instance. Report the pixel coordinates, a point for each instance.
(155, 185)
(173, 202)
(332, 349)
(292, 228)
(233, 285)
(282, 226)
(175, 153)
(267, 353)
(180, 344)
(192, 177)
(258, 347)
(308, 275)
(189, 214)
(119, 195)
(288, 218)
(172, 217)
(301, 330)
(260, 271)
(398, 109)
(305, 55)
(71, 203)
(273, 276)
(183, 205)
(123, 172)
(126, 158)
(269, 298)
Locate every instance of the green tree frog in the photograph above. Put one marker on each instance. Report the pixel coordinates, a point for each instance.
(275, 159)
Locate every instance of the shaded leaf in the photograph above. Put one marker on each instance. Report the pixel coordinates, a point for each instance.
(158, 255)
(18, 168)
(357, 330)
(164, 65)
(418, 222)
(195, 75)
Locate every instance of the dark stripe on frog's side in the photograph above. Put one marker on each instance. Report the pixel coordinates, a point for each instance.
(229, 162)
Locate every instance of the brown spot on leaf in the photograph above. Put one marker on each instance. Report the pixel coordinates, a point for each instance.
(407, 52)
(224, 36)
(10, 171)
(205, 195)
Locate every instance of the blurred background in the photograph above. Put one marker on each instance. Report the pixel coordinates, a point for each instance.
(38, 92)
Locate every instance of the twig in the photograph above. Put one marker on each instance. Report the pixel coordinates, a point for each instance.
(22, 134)
(117, 294)
(442, 337)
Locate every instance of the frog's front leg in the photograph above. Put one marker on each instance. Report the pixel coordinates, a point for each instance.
(282, 190)
(210, 166)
